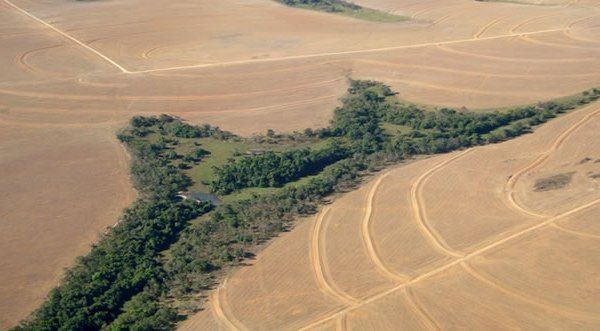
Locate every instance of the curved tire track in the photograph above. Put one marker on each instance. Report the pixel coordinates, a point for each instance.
(367, 237)
(319, 266)
(418, 207)
(447, 49)
(573, 23)
(150, 97)
(527, 21)
(220, 313)
(146, 54)
(342, 323)
(22, 60)
(572, 36)
(529, 39)
(471, 73)
(465, 90)
(426, 319)
(487, 27)
(563, 310)
(569, 30)
(512, 181)
(453, 263)
(441, 19)
(343, 53)
(574, 232)
(62, 33)
(83, 81)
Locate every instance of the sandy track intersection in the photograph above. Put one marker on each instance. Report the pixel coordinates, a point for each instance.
(74, 73)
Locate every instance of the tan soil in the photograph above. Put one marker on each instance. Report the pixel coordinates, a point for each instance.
(75, 72)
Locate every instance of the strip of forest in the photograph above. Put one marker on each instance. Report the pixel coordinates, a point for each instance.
(346, 8)
(153, 268)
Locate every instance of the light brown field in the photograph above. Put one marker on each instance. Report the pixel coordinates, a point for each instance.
(74, 72)
(436, 244)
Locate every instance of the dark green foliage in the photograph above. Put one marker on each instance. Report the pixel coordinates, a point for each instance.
(274, 169)
(325, 5)
(228, 234)
(125, 261)
(199, 153)
(124, 284)
(344, 7)
(145, 312)
(184, 130)
(153, 175)
(141, 121)
(93, 292)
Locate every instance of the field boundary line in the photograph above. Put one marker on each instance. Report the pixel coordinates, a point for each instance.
(341, 323)
(488, 26)
(453, 263)
(359, 51)
(574, 232)
(558, 142)
(471, 72)
(268, 60)
(66, 35)
(418, 207)
(521, 24)
(493, 283)
(427, 320)
(324, 282)
(219, 313)
(367, 237)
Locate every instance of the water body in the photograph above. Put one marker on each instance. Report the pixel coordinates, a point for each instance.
(202, 196)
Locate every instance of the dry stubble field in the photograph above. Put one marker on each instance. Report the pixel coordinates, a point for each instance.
(448, 242)
(75, 72)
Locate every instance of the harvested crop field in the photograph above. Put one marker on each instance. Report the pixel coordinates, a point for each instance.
(437, 243)
(74, 72)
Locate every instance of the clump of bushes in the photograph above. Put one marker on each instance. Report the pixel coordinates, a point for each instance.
(125, 282)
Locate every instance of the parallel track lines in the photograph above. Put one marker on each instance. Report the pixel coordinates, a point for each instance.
(360, 51)
(342, 323)
(451, 264)
(124, 70)
(426, 319)
(531, 40)
(511, 59)
(21, 60)
(418, 208)
(76, 41)
(367, 237)
(318, 263)
(527, 21)
(387, 65)
(219, 310)
(485, 28)
(513, 33)
(435, 239)
(219, 304)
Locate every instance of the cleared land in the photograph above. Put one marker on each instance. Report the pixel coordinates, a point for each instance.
(74, 72)
(529, 272)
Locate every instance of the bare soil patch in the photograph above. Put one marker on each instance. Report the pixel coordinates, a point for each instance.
(555, 182)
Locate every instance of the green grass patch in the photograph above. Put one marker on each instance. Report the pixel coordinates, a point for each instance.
(345, 8)
(516, 2)
(166, 251)
(220, 152)
(394, 129)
